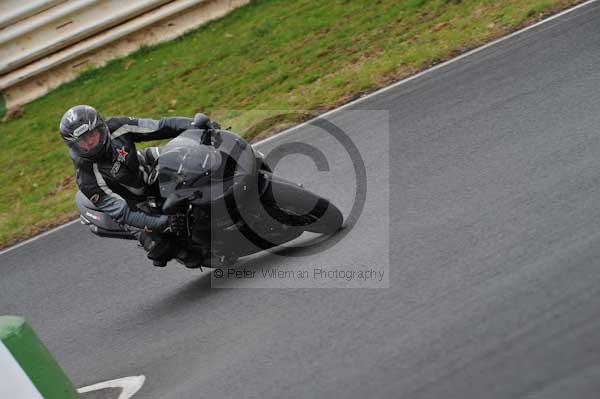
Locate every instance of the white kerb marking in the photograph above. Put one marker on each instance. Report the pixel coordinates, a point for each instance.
(129, 385)
(14, 383)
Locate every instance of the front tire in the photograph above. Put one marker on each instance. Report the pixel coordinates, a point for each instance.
(292, 205)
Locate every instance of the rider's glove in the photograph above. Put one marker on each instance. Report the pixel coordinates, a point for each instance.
(177, 225)
(202, 121)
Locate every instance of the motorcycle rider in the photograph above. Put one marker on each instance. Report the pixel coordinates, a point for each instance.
(114, 176)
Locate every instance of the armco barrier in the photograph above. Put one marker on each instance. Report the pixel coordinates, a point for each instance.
(165, 20)
(63, 25)
(12, 11)
(27, 369)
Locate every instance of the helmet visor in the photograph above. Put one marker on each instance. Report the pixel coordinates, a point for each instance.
(91, 142)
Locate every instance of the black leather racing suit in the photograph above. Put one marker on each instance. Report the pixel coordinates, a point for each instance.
(118, 180)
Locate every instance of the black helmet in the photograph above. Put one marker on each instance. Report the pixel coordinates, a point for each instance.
(85, 132)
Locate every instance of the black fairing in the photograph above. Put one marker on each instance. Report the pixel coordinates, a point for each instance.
(203, 174)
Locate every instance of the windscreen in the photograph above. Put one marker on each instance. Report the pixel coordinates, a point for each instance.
(185, 163)
(185, 167)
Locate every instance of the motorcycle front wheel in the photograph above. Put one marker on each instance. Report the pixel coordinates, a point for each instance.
(294, 206)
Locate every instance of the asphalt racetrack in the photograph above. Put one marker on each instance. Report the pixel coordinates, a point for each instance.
(490, 244)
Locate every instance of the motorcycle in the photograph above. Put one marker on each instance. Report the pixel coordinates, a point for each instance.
(233, 204)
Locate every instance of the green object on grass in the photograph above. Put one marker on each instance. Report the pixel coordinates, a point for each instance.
(2, 105)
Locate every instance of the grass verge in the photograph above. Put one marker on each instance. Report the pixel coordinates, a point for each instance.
(270, 54)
